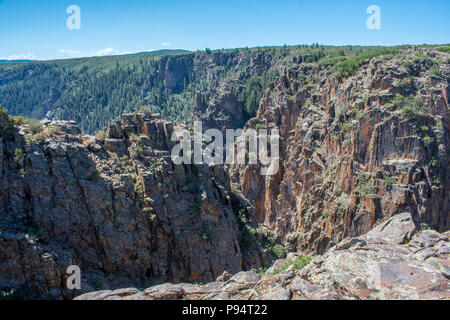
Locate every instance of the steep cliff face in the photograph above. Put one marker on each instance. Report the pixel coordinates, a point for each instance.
(354, 149)
(118, 208)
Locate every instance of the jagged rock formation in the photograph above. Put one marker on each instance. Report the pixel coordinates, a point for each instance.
(119, 208)
(354, 152)
(392, 261)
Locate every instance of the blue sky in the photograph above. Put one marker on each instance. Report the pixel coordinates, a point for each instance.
(37, 29)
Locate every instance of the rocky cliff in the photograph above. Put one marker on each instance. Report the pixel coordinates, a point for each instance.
(355, 149)
(116, 206)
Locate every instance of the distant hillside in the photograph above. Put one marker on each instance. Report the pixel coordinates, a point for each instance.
(225, 84)
(14, 61)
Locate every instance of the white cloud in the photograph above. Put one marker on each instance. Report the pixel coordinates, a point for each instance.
(106, 51)
(21, 56)
(165, 44)
(68, 53)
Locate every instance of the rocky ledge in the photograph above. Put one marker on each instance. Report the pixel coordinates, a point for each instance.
(392, 261)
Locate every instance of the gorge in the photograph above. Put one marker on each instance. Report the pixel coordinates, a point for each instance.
(358, 207)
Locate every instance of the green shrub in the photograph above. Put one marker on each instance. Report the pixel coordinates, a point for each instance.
(279, 251)
(428, 140)
(425, 226)
(53, 131)
(22, 173)
(435, 72)
(432, 163)
(261, 272)
(389, 181)
(350, 66)
(366, 188)
(437, 182)
(301, 261)
(137, 152)
(6, 123)
(444, 49)
(198, 207)
(21, 293)
(193, 189)
(18, 120)
(345, 126)
(19, 156)
(248, 236)
(412, 107)
(35, 127)
(146, 110)
(409, 66)
(282, 268)
(247, 233)
(406, 84)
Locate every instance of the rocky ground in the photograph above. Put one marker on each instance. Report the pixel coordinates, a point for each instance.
(392, 261)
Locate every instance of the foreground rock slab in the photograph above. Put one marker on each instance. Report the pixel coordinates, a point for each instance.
(392, 261)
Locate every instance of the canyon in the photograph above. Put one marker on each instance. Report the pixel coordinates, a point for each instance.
(358, 208)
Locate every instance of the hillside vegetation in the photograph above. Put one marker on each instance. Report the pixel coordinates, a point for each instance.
(93, 91)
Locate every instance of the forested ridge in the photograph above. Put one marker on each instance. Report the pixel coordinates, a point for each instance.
(93, 91)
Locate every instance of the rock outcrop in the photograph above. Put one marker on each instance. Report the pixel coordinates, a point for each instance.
(392, 261)
(354, 149)
(116, 206)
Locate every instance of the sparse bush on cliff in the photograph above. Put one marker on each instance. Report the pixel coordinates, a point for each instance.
(350, 66)
(389, 181)
(411, 106)
(19, 156)
(301, 261)
(279, 251)
(101, 135)
(6, 123)
(35, 126)
(365, 187)
(444, 49)
(297, 264)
